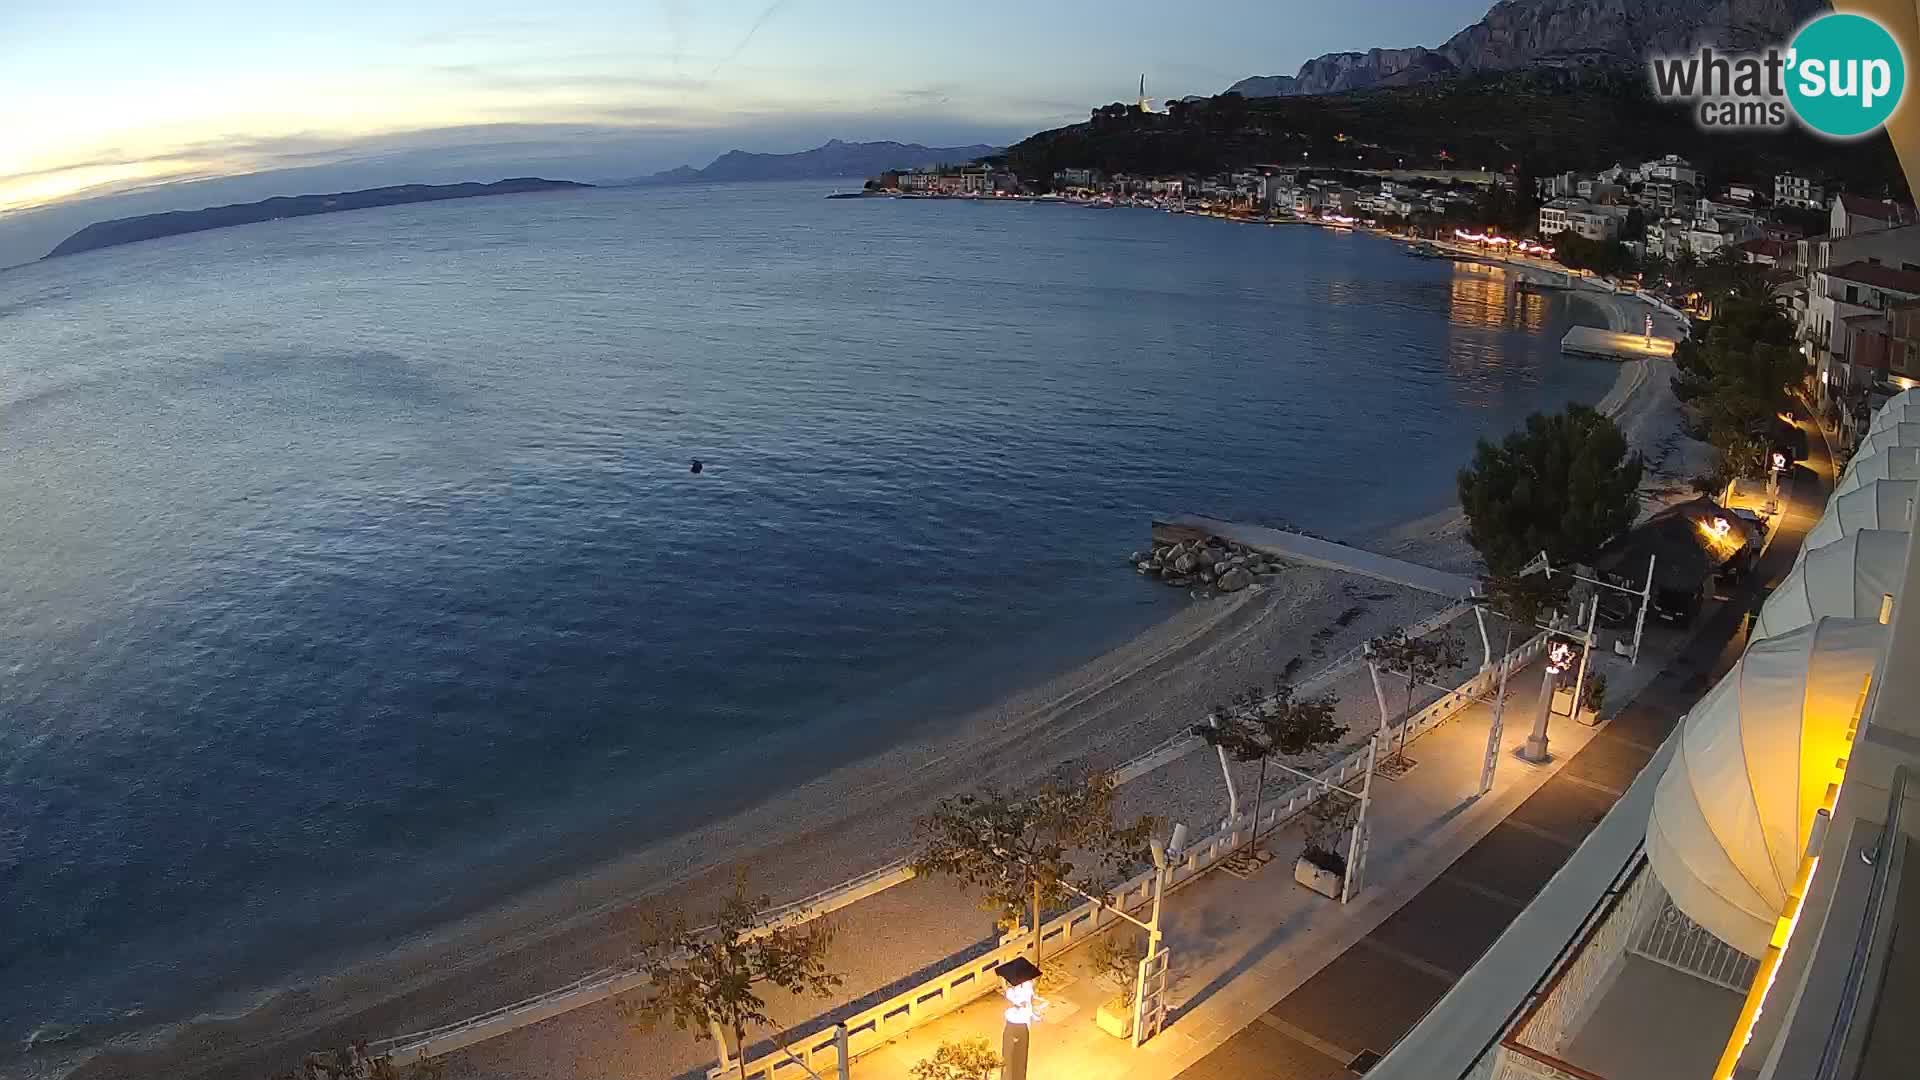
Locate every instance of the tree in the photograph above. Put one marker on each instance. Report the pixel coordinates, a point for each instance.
(1737, 373)
(1327, 821)
(1417, 660)
(1565, 484)
(1635, 225)
(1610, 257)
(1017, 849)
(1524, 599)
(709, 979)
(968, 1059)
(1260, 727)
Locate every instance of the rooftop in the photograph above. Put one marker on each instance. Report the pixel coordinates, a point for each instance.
(1877, 275)
(1878, 209)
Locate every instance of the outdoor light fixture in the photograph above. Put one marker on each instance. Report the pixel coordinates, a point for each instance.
(1019, 974)
(1559, 656)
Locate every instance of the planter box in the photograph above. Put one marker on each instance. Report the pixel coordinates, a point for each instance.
(1116, 1017)
(1563, 701)
(1320, 880)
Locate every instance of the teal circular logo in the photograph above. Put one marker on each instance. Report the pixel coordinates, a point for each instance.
(1845, 75)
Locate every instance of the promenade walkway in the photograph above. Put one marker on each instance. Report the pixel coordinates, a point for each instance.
(1272, 982)
(1311, 551)
(1378, 990)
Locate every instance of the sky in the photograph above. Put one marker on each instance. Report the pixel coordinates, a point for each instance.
(99, 97)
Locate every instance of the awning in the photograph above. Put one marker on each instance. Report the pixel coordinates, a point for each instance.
(1887, 436)
(1893, 463)
(1880, 504)
(1757, 757)
(1901, 407)
(1851, 578)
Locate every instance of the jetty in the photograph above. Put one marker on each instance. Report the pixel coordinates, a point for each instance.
(1306, 550)
(1614, 345)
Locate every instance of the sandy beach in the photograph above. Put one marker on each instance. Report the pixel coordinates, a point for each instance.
(808, 838)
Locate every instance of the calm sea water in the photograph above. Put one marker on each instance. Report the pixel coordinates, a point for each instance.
(353, 575)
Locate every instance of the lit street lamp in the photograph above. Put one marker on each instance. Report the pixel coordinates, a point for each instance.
(1559, 656)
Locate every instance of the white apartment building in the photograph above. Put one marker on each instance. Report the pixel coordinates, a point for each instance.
(1580, 217)
(1799, 191)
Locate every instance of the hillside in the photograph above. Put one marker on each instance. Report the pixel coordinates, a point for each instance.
(132, 230)
(1550, 33)
(830, 161)
(1537, 122)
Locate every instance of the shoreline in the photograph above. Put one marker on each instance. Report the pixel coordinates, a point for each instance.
(1096, 713)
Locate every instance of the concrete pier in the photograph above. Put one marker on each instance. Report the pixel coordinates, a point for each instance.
(1309, 551)
(1614, 345)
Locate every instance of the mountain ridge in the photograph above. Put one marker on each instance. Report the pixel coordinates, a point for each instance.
(1549, 33)
(830, 160)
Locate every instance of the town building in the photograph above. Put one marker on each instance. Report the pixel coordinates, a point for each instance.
(1851, 215)
(1672, 168)
(1600, 191)
(1836, 296)
(1889, 343)
(1667, 194)
(1580, 217)
(1798, 191)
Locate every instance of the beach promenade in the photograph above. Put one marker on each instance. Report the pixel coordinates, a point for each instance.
(1272, 982)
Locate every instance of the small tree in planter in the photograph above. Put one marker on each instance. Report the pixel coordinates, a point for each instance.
(1017, 849)
(708, 979)
(968, 1059)
(1417, 660)
(1595, 694)
(1264, 727)
(1323, 862)
(1116, 956)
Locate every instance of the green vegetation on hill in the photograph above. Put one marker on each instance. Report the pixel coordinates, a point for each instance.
(1532, 123)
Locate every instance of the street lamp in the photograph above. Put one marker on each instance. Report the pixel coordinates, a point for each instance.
(1019, 974)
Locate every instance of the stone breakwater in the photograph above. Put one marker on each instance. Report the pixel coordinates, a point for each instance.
(1207, 563)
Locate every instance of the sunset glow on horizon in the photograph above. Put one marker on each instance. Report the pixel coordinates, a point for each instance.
(108, 95)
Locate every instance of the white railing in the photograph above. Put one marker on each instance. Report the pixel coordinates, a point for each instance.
(618, 979)
(1666, 936)
(1531, 1049)
(961, 985)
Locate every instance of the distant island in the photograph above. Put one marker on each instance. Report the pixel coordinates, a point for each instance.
(832, 160)
(132, 230)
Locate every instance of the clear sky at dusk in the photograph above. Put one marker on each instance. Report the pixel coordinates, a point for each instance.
(98, 96)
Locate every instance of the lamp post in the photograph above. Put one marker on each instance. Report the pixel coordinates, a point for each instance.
(1559, 656)
(1019, 974)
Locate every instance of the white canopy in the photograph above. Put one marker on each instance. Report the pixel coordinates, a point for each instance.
(1903, 406)
(1757, 756)
(1893, 463)
(1878, 504)
(1890, 434)
(1849, 578)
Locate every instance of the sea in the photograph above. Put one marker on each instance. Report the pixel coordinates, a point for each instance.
(354, 577)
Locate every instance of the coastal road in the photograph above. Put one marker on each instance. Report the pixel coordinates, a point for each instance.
(1376, 991)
